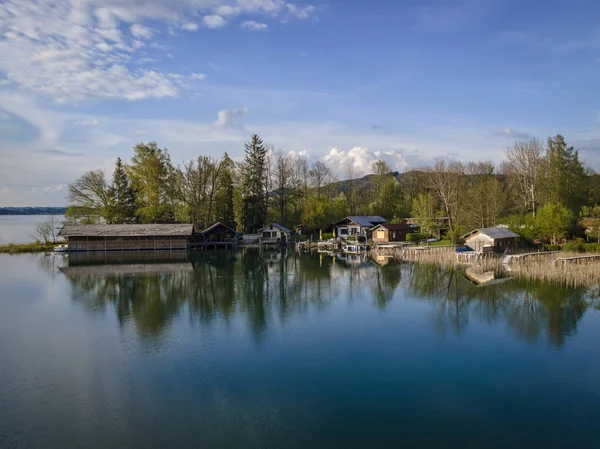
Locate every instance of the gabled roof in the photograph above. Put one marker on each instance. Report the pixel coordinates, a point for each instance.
(216, 225)
(365, 221)
(127, 230)
(495, 233)
(278, 226)
(395, 227)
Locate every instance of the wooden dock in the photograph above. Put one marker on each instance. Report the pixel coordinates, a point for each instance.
(563, 261)
(212, 245)
(508, 259)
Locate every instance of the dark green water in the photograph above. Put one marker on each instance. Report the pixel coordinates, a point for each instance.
(271, 351)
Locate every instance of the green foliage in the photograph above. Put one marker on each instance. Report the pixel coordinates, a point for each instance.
(574, 246)
(426, 212)
(552, 222)
(27, 248)
(415, 237)
(254, 184)
(327, 236)
(154, 180)
(122, 204)
(224, 207)
(484, 204)
(565, 177)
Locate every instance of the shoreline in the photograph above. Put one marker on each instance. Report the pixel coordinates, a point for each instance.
(21, 248)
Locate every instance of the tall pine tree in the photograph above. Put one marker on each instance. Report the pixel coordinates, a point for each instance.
(123, 206)
(254, 185)
(224, 210)
(566, 181)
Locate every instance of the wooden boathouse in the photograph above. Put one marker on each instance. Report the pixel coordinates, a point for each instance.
(128, 237)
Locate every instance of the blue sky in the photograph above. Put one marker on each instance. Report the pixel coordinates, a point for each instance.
(347, 82)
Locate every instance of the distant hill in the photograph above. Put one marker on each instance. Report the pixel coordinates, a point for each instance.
(33, 210)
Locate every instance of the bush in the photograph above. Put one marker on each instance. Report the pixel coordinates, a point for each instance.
(592, 247)
(299, 238)
(327, 236)
(415, 237)
(548, 247)
(575, 246)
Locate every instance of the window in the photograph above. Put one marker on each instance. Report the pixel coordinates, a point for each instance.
(343, 231)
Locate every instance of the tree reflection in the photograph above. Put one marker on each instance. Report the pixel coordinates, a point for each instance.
(268, 286)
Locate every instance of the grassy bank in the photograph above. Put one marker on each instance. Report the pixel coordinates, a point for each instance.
(16, 248)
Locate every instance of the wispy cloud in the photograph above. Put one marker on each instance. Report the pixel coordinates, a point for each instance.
(214, 21)
(197, 76)
(55, 188)
(254, 26)
(61, 153)
(190, 26)
(74, 51)
(226, 117)
(512, 133)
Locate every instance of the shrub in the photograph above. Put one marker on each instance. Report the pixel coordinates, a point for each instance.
(575, 246)
(414, 237)
(327, 236)
(551, 247)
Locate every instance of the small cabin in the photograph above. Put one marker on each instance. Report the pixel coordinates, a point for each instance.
(385, 233)
(218, 233)
(357, 226)
(486, 240)
(275, 232)
(127, 237)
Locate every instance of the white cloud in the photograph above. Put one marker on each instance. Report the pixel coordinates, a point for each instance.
(226, 117)
(55, 188)
(4, 190)
(141, 31)
(359, 159)
(71, 51)
(80, 50)
(197, 76)
(214, 21)
(190, 26)
(510, 132)
(254, 26)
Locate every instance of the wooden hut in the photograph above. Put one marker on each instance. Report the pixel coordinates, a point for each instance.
(218, 233)
(127, 237)
(385, 233)
(275, 233)
(490, 239)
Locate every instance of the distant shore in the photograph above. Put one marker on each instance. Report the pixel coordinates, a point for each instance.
(33, 210)
(20, 248)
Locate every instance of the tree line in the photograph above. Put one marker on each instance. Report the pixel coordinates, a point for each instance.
(541, 189)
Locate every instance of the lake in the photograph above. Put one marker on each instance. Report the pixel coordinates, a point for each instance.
(273, 350)
(21, 228)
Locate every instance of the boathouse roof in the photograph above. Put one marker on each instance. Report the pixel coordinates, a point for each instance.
(365, 221)
(278, 226)
(218, 225)
(128, 230)
(495, 233)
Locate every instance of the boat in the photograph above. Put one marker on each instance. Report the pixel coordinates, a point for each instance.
(61, 249)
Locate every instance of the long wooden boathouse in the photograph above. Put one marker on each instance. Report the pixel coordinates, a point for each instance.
(128, 237)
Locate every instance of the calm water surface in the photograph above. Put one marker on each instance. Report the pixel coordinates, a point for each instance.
(21, 228)
(277, 351)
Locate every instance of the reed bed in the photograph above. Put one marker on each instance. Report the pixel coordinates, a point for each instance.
(542, 267)
(15, 248)
(574, 274)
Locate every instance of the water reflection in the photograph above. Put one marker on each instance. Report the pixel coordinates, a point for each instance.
(265, 287)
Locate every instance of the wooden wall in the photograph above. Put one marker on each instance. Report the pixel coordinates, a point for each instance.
(126, 243)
